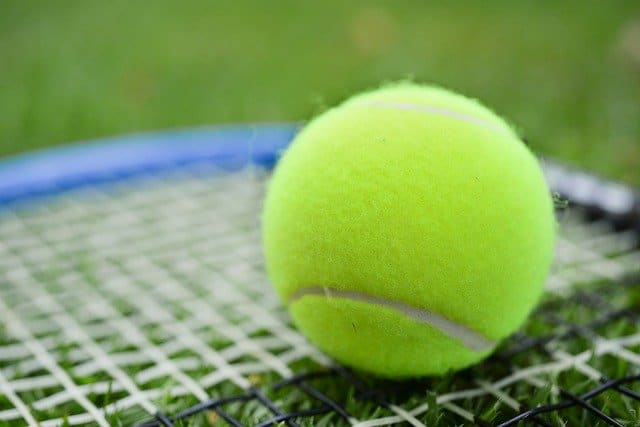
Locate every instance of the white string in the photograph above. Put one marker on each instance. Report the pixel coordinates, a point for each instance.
(18, 329)
(9, 391)
(180, 256)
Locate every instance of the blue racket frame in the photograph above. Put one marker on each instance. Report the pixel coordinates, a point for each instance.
(51, 171)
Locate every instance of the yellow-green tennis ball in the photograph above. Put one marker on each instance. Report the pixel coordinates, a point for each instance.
(408, 231)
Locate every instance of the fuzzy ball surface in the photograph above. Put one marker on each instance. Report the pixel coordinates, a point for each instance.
(408, 231)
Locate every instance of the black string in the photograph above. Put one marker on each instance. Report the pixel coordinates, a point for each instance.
(315, 384)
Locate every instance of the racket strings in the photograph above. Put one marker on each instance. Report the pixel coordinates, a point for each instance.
(146, 301)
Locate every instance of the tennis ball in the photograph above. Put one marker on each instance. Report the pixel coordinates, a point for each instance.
(408, 231)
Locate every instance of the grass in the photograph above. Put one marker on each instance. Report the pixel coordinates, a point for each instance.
(596, 322)
(409, 395)
(566, 74)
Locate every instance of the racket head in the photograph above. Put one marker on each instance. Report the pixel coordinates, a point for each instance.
(134, 292)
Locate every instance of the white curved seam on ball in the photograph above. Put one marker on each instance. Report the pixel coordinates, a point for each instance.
(471, 339)
(439, 111)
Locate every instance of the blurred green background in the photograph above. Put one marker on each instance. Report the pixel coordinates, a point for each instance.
(566, 73)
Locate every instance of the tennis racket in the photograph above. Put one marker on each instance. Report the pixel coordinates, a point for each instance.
(132, 292)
